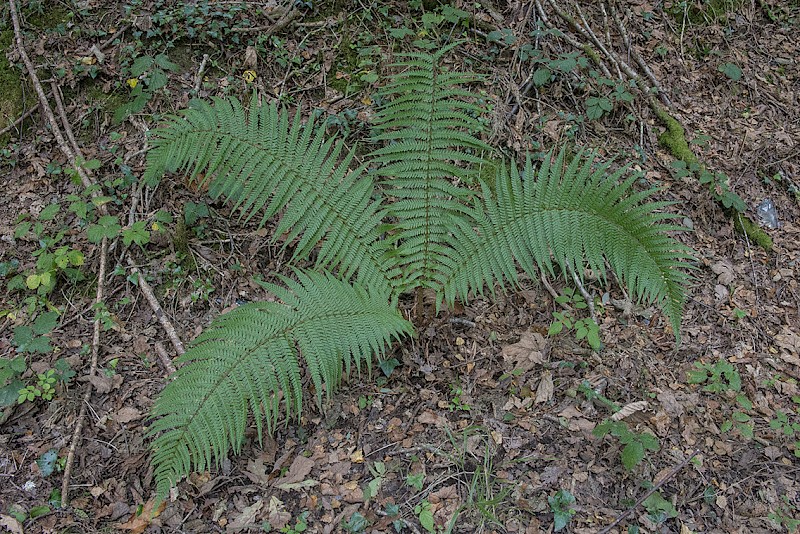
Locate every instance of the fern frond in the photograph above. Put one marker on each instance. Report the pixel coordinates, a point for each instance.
(572, 217)
(265, 163)
(429, 123)
(247, 361)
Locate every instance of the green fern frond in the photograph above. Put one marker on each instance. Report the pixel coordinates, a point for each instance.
(247, 361)
(429, 123)
(264, 163)
(571, 217)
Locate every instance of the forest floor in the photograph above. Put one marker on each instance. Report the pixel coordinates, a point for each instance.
(486, 423)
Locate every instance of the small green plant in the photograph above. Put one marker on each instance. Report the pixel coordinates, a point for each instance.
(456, 403)
(424, 513)
(789, 427)
(10, 384)
(561, 504)
(416, 480)
(52, 260)
(44, 388)
(300, 525)
(718, 377)
(355, 524)
(718, 184)
(731, 70)
(722, 377)
(636, 444)
(584, 328)
(147, 76)
(786, 515)
(658, 508)
(378, 470)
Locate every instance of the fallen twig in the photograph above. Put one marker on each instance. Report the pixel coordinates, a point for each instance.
(166, 361)
(144, 287)
(198, 81)
(76, 434)
(20, 119)
(674, 471)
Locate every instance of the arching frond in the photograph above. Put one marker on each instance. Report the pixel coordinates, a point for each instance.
(572, 217)
(264, 163)
(428, 123)
(248, 361)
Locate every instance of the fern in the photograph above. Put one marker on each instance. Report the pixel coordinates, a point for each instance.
(427, 220)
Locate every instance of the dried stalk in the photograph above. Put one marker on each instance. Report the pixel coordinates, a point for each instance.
(144, 287)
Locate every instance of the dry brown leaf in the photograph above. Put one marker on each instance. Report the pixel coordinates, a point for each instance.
(11, 524)
(544, 393)
(138, 522)
(300, 468)
(277, 516)
(246, 519)
(629, 409)
(127, 414)
(724, 271)
(526, 353)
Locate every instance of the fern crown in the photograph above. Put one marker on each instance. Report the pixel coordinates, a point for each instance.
(422, 216)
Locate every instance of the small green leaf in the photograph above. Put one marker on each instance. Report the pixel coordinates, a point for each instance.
(731, 70)
(38, 511)
(416, 481)
(47, 462)
(632, 454)
(45, 323)
(49, 212)
(388, 366)
(140, 65)
(541, 76)
(163, 61)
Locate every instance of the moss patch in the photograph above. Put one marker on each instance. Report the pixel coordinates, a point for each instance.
(745, 226)
(10, 86)
(674, 140)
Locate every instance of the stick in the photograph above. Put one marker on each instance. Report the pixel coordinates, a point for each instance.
(198, 81)
(674, 471)
(166, 361)
(20, 119)
(43, 103)
(162, 318)
(76, 434)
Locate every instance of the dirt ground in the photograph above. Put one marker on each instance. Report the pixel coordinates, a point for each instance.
(486, 422)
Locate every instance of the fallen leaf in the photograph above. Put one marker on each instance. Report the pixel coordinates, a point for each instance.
(277, 516)
(11, 524)
(629, 409)
(724, 271)
(544, 393)
(246, 519)
(527, 352)
(300, 468)
(138, 522)
(127, 414)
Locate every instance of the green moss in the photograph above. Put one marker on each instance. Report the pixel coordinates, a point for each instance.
(49, 16)
(346, 62)
(743, 225)
(706, 11)
(674, 137)
(10, 87)
(674, 140)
